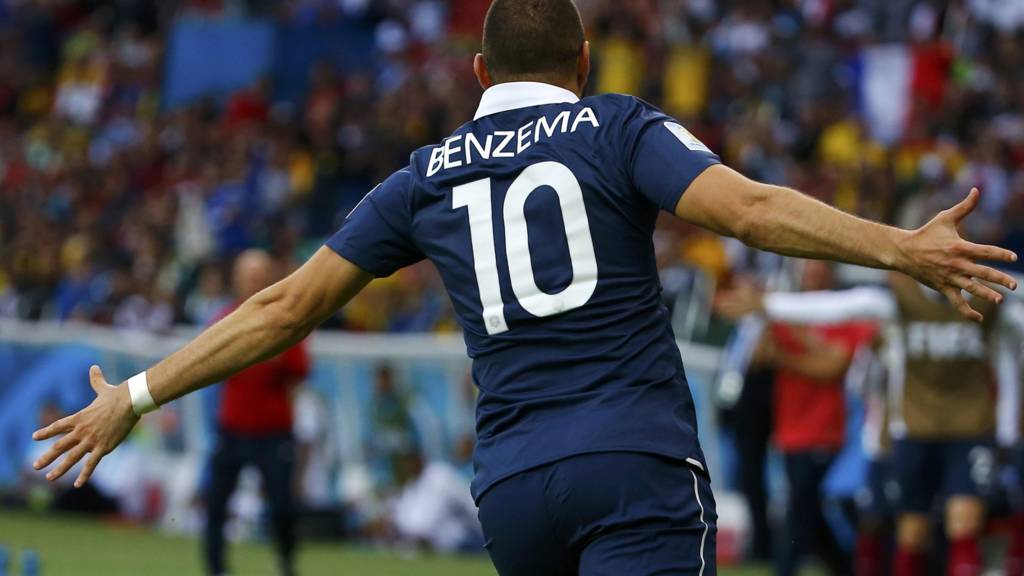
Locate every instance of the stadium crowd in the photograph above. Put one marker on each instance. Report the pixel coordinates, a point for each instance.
(119, 209)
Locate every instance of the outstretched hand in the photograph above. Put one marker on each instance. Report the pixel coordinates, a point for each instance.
(937, 256)
(95, 430)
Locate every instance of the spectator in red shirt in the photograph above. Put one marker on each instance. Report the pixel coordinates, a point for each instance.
(255, 424)
(810, 420)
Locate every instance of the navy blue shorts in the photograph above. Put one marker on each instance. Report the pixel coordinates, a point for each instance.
(610, 513)
(880, 491)
(927, 471)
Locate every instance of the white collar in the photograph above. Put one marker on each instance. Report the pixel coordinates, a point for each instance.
(513, 95)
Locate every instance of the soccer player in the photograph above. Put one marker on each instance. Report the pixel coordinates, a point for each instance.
(942, 413)
(254, 424)
(539, 214)
(875, 497)
(812, 364)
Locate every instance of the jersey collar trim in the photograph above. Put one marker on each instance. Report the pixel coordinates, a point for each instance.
(514, 95)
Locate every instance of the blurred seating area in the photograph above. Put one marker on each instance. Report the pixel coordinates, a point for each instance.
(383, 438)
(144, 144)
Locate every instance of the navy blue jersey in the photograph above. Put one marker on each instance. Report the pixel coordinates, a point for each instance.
(539, 216)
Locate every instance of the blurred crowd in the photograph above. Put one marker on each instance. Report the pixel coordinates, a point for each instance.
(119, 209)
(282, 480)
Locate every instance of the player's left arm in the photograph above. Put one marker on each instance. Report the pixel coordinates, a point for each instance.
(265, 325)
(785, 221)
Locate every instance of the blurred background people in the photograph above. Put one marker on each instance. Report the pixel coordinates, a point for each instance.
(1010, 425)
(810, 422)
(746, 392)
(98, 498)
(811, 364)
(942, 415)
(433, 508)
(875, 498)
(255, 429)
(133, 182)
(395, 436)
(143, 145)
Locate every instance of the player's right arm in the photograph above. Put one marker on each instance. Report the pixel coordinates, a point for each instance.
(265, 325)
(785, 221)
(374, 241)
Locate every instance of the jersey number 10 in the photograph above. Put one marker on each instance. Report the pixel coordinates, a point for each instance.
(476, 197)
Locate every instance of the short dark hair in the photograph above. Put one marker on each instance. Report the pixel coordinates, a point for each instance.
(532, 39)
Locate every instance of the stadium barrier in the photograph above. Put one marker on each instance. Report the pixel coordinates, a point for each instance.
(44, 365)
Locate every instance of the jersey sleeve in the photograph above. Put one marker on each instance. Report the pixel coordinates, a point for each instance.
(377, 235)
(664, 157)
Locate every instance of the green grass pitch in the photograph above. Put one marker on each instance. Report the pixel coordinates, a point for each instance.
(71, 546)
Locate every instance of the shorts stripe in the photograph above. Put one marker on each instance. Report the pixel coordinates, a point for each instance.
(705, 534)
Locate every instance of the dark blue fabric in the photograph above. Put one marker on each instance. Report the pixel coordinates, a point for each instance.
(274, 457)
(877, 496)
(1016, 464)
(929, 470)
(602, 376)
(807, 530)
(602, 514)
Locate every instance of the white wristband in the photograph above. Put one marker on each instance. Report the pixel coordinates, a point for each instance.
(138, 389)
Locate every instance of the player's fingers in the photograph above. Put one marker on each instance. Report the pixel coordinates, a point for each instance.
(986, 252)
(956, 298)
(965, 207)
(90, 465)
(978, 289)
(988, 274)
(61, 426)
(96, 379)
(59, 447)
(72, 458)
